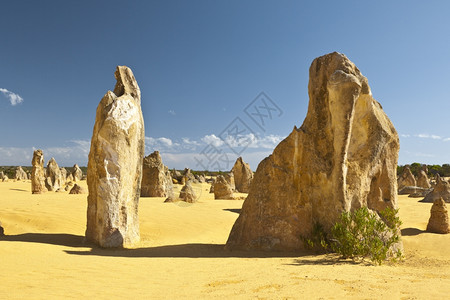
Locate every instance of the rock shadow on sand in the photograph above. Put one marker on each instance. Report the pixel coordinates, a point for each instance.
(183, 250)
(412, 231)
(60, 239)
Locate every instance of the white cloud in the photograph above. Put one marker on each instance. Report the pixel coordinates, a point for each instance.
(405, 135)
(213, 140)
(172, 112)
(13, 98)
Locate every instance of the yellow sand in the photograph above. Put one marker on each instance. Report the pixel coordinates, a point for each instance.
(181, 256)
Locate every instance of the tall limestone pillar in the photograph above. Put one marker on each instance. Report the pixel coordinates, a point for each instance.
(115, 165)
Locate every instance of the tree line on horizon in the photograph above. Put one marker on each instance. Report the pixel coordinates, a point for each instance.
(442, 170)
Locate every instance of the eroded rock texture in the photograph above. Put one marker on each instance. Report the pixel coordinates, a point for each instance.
(243, 175)
(343, 157)
(187, 194)
(440, 190)
(20, 174)
(77, 174)
(53, 179)
(37, 173)
(115, 165)
(222, 188)
(406, 178)
(438, 222)
(156, 178)
(422, 178)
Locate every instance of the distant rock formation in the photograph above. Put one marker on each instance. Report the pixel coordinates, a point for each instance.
(156, 178)
(37, 173)
(53, 179)
(77, 189)
(20, 174)
(222, 188)
(63, 175)
(243, 175)
(187, 193)
(2, 175)
(77, 174)
(440, 190)
(69, 178)
(343, 157)
(438, 222)
(229, 177)
(188, 176)
(115, 165)
(406, 178)
(422, 178)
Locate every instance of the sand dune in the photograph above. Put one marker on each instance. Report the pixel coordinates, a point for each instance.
(181, 255)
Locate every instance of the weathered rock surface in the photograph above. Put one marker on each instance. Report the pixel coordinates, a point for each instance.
(2, 231)
(20, 174)
(115, 165)
(5, 178)
(188, 176)
(422, 179)
(156, 178)
(63, 175)
(77, 189)
(37, 173)
(229, 177)
(343, 157)
(77, 174)
(2, 175)
(69, 178)
(438, 222)
(187, 193)
(243, 175)
(406, 178)
(222, 188)
(53, 179)
(440, 190)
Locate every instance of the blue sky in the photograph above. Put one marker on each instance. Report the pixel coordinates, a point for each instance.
(199, 64)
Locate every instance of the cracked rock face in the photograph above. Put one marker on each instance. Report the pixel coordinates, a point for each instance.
(37, 173)
(115, 165)
(343, 157)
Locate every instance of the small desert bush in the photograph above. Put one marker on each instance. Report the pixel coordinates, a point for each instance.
(361, 234)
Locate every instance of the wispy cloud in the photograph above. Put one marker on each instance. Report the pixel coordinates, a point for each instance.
(172, 112)
(13, 98)
(428, 136)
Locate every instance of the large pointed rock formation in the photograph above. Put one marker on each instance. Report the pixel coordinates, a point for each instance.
(343, 157)
(115, 165)
(243, 175)
(156, 178)
(37, 173)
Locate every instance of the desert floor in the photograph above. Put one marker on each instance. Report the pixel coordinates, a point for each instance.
(181, 256)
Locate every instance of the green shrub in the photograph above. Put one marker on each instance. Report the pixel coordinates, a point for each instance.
(361, 234)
